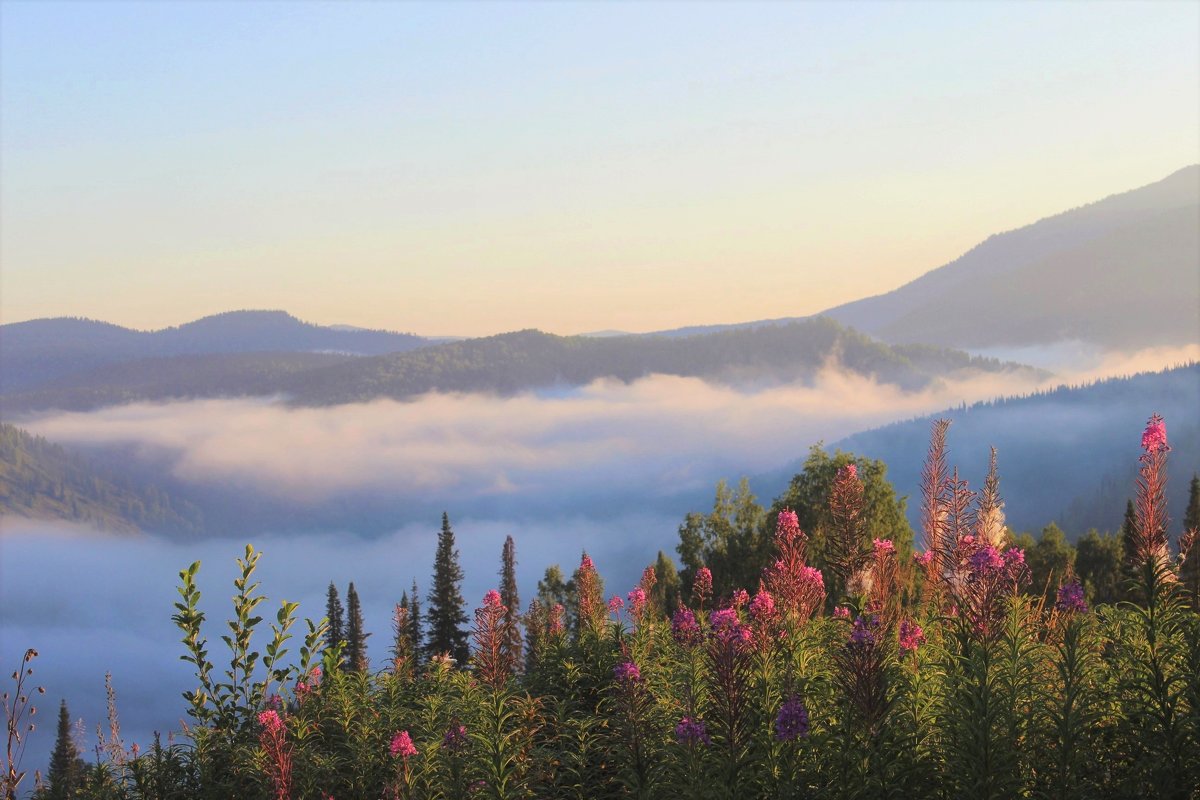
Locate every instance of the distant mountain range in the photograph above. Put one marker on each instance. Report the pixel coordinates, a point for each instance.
(1067, 455)
(1123, 273)
(505, 364)
(37, 352)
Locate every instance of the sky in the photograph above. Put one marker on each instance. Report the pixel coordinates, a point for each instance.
(466, 169)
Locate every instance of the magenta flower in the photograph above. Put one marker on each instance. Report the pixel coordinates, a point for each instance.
(740, 598)
(1070, 598)
(637, 602)
(841, 612)
(1154, 438)
(684, 627)
(627, 672)
(492, 600)
(883, 546)
(792, 720)
(402, 745)
(924, 559)
(762, 607)
(615, 604)
(911, 636)
(848, 471)
(702, 587)
(692, 731)
(986, 560)
(556, 627)
(271, 721)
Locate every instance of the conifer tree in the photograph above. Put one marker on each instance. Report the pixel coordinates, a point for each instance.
(66, 768)
(335, 634)
(447, 614)
(356, 638)
(414, 622)
(512, 644)
(1128, 545)
(1191, 517)
(667, 587)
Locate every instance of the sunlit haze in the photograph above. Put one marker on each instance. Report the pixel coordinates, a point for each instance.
(473, 168)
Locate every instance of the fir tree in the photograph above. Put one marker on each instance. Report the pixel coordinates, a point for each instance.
(66, 768)
(414, 622)
(447, 614)
(512, 643)
(356, 638)
(1128, 544)
(666, 587)
(335, 634)
(1191, 517)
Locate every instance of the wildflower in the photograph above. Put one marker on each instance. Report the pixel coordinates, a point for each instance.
(692, 731)
(637, 602)
(684, 628)
(924, 559)
(556, 620)
(727, 627)
(1070, 598)
(762, 607)
(615, 604)
(883, 546)
(627, 672)
(402, 745)
(702, 587)
(792, 720)
(270, 721)
(986, 560)
(1154, 438)
(863, 632)
(849, 471)
(455, 739)
(492, 599)
(841, 612)
(911, 635)
(740, 598)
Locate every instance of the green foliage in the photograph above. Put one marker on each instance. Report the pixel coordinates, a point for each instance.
(447, 608)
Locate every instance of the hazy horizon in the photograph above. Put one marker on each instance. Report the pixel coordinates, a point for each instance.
(469, 169)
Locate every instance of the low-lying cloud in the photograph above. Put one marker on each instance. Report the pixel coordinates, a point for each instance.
(661, 434)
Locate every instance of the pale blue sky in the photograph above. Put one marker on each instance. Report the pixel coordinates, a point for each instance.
(471, 168)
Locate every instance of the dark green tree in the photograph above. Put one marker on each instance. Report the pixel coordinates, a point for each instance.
(730, 540)
(335, 634)
(1128, 549)
(447, 609)
(356, 637)
(513, 641)
(414, 617)
(1191, 516)
(554, 590)
(65, 777)
(667, 586)
(1050, 560)
(1098, 562)
(1189, 570)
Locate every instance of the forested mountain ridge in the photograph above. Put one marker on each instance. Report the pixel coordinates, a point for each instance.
(1121, 272)
(508, 363)
(36, 352)
(1059, 458)
(41, 480)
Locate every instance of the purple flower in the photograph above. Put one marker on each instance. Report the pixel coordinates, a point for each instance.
(762, 607)
(684, 627)
(692, 731)
(455, 739)
(863, 633)
(792, 720)
(627, 672)
(986, 559)
(1070, 598)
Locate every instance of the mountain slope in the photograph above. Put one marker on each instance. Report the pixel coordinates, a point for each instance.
(1067, 455)
(1121, 272)
(43, 481)
(37, 352)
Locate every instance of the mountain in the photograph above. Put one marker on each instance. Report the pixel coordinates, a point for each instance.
(36, 352)
(41, 480)
(510, 363)
(1067, 455)
(1123, 272)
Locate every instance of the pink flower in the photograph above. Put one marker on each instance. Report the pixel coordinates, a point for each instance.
(848, 471)
(637, 602)
(492, 600)
(556, 619)
(615, 604)
(911, 635)
(585, 564)
(627, 672)
(924, 559)
(762, 607)
(402, 745)
(703, 586)
(841, 612)
(740, 598)
(884, 546)
(270, 721)
(1154, 438)
(684, 627)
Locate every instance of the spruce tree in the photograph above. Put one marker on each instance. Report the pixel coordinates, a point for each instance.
(1191, 517)
(335, 634)
(1128, 543)
(447, 614)
(508, 596)
(414, 621)
(66, 768)
(356, 638)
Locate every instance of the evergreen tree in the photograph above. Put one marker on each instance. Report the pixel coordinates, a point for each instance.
(66, 767)
(512, 643)
(1050, 561)
(666, 587)
(335, 634)
(1098, 565)
(447, 609)
(1191, 517)
(1128, 543)
(356, 638)
(414, 621)
(402, 646)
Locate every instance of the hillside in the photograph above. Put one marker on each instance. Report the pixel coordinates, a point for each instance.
(1059, 458)
(1121, 272)
(41, 480)
(37, 352)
